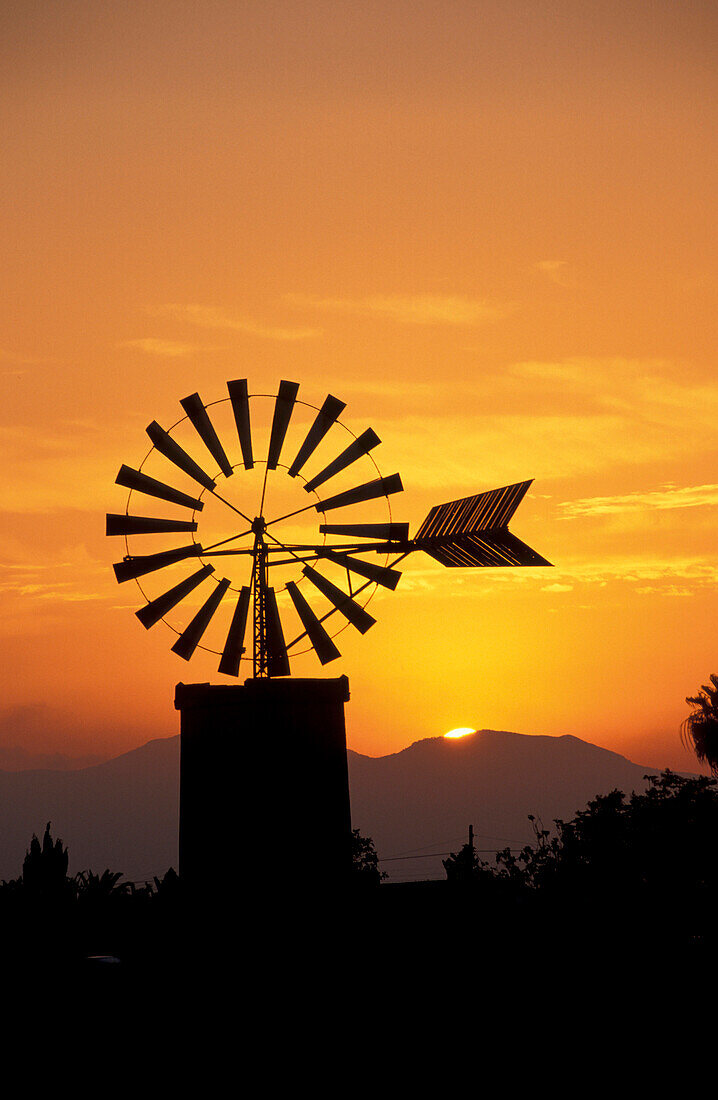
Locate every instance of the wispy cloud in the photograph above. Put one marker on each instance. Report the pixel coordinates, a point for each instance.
(68, 467)
(414, 309)
(602, 580)
(210, 318)
(669, 497)
(167, 349)
(68, 576)
(648, 573)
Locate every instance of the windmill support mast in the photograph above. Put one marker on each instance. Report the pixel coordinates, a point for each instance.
(259, 590)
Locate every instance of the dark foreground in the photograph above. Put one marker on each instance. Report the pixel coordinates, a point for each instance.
(430, 934)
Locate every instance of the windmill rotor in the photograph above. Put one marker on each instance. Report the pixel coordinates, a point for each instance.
(260, 558)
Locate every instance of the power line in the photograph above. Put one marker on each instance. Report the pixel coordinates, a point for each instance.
(437, 855)
(457, 840)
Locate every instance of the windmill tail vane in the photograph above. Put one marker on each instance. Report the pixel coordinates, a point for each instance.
(474, 531)
(469, 533)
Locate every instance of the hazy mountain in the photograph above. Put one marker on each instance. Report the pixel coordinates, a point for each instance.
(424, 798)
(123, 813)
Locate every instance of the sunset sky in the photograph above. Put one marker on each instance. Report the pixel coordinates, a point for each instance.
(488, 227)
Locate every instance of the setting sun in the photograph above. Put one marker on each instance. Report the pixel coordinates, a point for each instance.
(461, 731)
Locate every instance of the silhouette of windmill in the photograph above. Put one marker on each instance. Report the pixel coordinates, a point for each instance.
(468, 533)
(306, 581)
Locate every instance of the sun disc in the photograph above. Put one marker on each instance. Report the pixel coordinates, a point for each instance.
(461, 731)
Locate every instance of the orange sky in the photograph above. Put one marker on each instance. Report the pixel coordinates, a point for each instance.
(488, 227)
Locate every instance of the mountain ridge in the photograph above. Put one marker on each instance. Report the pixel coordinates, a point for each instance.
(123, 813)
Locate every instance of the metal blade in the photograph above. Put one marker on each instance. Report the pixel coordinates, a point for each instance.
(348, 607)
(157, 609)
(133, 567)
(204, 427)
(327, 415)
(239, 397)
(167, 446)
(277, 660)
(361, 446)
(381, 487)
(234, 646)
(324, 646)
(144, 525)
(189, 639)
(388, 578)
(388, 532)
(141, 483)
(282, 412)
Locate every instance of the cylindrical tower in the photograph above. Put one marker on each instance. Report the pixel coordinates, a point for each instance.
(264, 788)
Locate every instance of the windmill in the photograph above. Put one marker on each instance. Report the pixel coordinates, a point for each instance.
(259, 512)
(336, 564)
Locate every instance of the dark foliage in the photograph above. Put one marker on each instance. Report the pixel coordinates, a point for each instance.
(51, 919)
(44, 869)
(644, 863)
(465, 866)
(700, 729)
(365, 861)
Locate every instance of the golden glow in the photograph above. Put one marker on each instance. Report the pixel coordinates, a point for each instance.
(461, 731)
(486, 227)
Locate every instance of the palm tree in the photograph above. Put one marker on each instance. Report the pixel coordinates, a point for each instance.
(700, 729)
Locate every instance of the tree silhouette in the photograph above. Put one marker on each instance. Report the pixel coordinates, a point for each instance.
(700, 729)
(650, 857)
(465, 865)
(365, 861)
(44, 869)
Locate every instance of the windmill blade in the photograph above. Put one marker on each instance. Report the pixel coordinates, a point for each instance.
(343, 603)
(239, 397)
(234, 646)
(324, 646)
(157, 609)
(133, 567)
(190, 637)
(481, 512)
(381, 487)
(327, 415)
(280, 422)
(167, 446)
(492, 548)
(386, 532)
(361, 446)
(381, 574)
(145, 525)
(141, 483)
(204, 427)
(277, 659)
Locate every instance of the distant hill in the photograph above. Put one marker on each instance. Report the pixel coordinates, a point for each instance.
(423, 799)
(123, 814)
